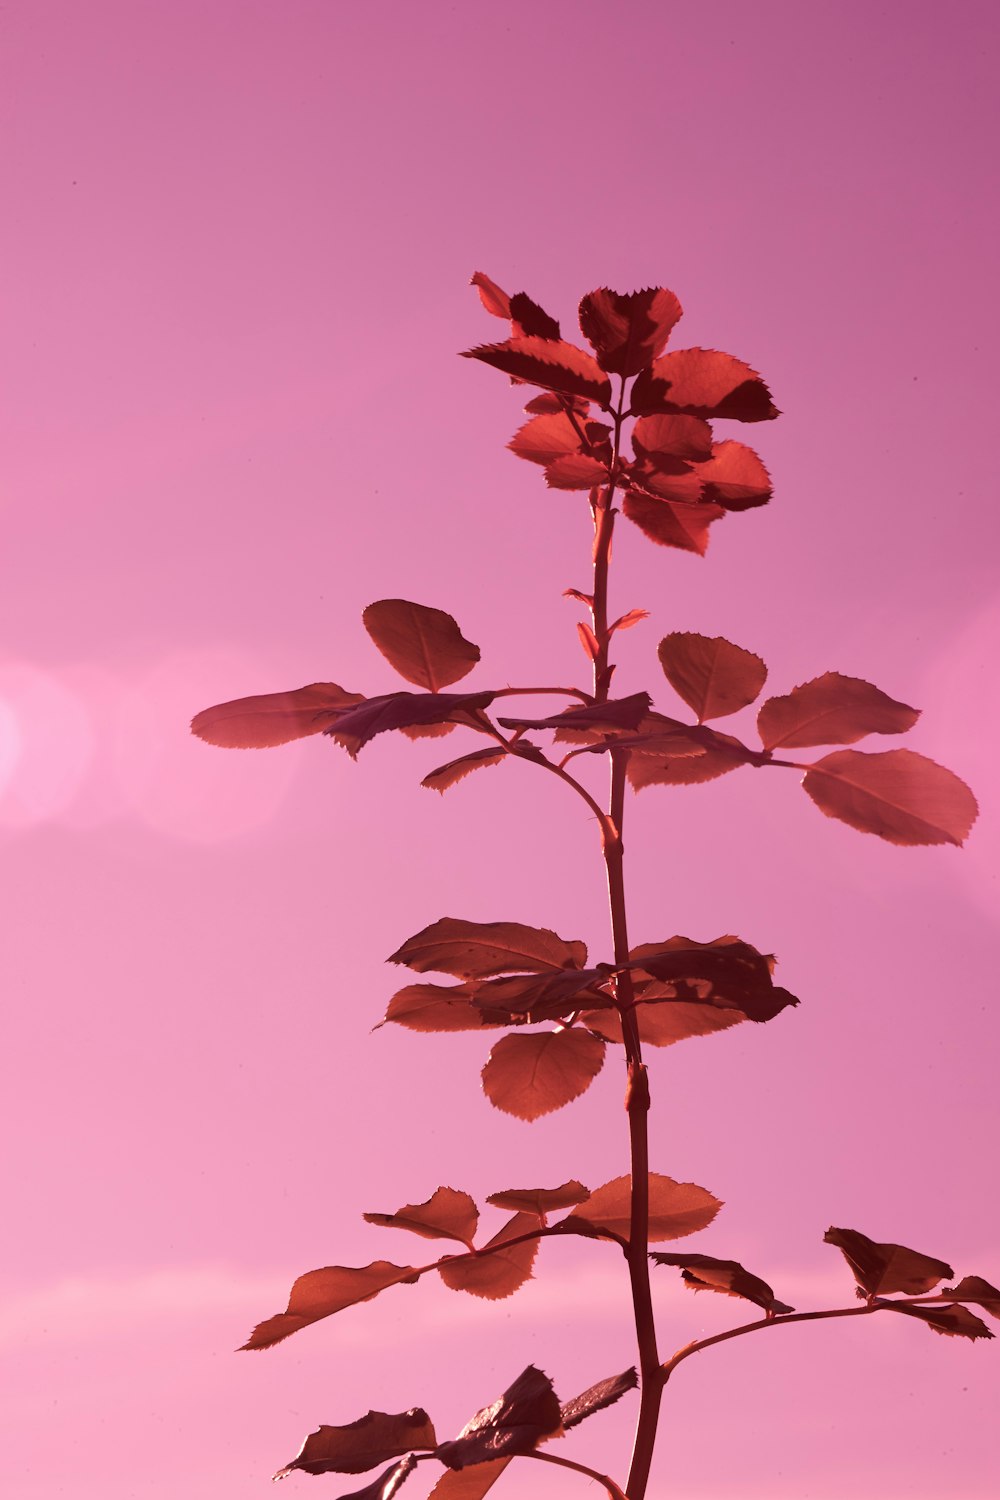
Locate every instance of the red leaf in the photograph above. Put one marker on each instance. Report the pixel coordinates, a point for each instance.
(726, 972)
(498, 1274)
(617, 713)
(675, 1208)
(628, 330)
(436, 1007)
(831, 710)
(527, 1412)
(597, 1397)
(529, 319)
(703, 1273)
(903, 797)
(354, 728)
(576, 471)
(274, 718)
(681, 485)
(424, 645)
(949, 1319)
(468, 1484)
(478, 950)
(552, 401)
(386, 1484)
(713, 676)
(445, 776)
(493, 299)
(588, 640)
(627, 620)
(551, 363)
(362, 1445)
(531, 1075)
(447, 1215)
(979, 1291)
(723, 753)
(546, 438)
(672, 437)
(542, 997)
(882, 1269)
(662, 1025)
(540, 1201)
(318, 1294)
(703, 383)
(426, 731)
(672, 524)
(734, 477)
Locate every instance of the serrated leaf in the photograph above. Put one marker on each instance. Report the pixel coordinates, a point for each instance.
(529, 1076)
(704, 1273)
(576, 471)
(681, 485)
(540, 1201)
(493, 299)
(501, 1272)
(528, 319)
(713, 676)
(628, 619)
(437, 1007)
(881, 1269)
(527, 1412)
(447, 1215)
(628, 330)
(542, 997)
(675, 1208)
(902, 797)
(717, 756)
(597, 1397)
(362, 1445)
(478, 950)
(424, 645)
(663, 1025)
(269, 719)
(617, 713)
(354, 728)
(726, 972)
(671, 437)
(952, 1319)
(446, 776)
(671, 524)
(545, 438)
(469, 1484)
(329, 1290)
(734, 477)
(703, 383)
(550, 401)
(831, 710)
(551, 363)
(976, 1289)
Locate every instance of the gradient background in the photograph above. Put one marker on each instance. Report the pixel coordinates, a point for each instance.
(243, 234)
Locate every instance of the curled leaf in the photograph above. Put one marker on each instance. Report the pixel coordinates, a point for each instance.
(354, 728)
(269, 719)
(447, 1215)
(628, 330)
(499, 1268)
(951, 1319)
(831, 710)
(605, 1393)
(493, 299)
(362, 1445)
(540, 1201)
(532, 1075)
(329, 1290)
(469, 1484)
(527, 1412)
(617, 713)
(713, 676)
(882, 1269)
(899, 795)
(424, 645)
(445, 776)
(676, 1209)
(704, 1273)
(387, 1483)
(976, 1290)
(478, 950)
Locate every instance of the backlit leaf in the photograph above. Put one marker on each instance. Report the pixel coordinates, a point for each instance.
(445, 776)
(529, 319)
(682, 484)
(605, 1393)
(499, 1273)
(713, 676)
(553, 401)
(357, 726)
(734, 477)
(531, 1075)
(447, 1215)
(493, 299)
(671, 524)
(424, 645)
(387, 1483)
(591, 645)
(540, 1201)
(903, 797)
(726, 972)
(705, 1273)
(468, 1484)
(362, 1445)
(628, 619)
(545, 438)
(542, 997)
(950, 1319)
(703, 383)
(675, 1208)
(979, 1291)
(688, 438)
(628, 330)
(662, 1025)
(527, 1412)
(437, 1007)
(551, 363)
(478, 950)
(617, 713)
(576, 471)
(317, 1294)
(831, 710)
(274, 718)
(882, 1269)
(718, 756)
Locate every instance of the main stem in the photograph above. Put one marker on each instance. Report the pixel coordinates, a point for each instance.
(637, 1091)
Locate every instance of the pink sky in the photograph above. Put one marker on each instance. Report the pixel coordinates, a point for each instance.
(242, 237)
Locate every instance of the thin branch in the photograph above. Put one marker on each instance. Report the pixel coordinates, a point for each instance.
(569, 1463)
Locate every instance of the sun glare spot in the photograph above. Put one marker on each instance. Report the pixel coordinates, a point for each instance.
(47, 743)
